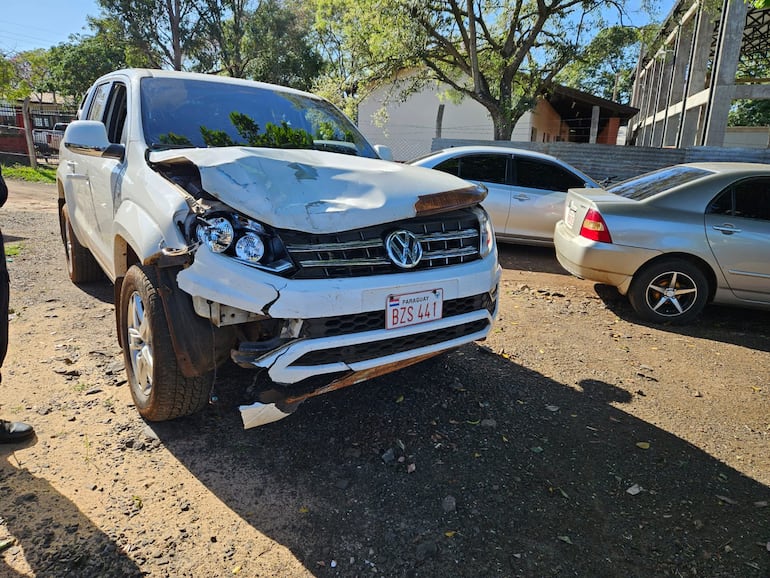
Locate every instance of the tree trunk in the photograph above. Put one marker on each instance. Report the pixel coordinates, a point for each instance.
(502, 125)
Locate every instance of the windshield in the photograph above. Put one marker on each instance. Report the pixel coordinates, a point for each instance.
(649, 184)
(198, 113)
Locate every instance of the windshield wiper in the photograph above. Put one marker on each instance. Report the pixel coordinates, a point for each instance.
(156, 146)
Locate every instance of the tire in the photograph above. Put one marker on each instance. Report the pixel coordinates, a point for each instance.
(159, 390)
(669, 291)
(81, 265)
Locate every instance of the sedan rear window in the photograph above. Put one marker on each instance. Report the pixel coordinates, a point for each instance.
(650, 184)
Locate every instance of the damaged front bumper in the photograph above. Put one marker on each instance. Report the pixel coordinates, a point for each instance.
(337, 326)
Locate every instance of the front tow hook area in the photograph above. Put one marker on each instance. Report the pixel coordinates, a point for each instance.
(276, 404)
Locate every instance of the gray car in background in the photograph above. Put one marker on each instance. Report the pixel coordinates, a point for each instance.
(526, 189)
(675, 239)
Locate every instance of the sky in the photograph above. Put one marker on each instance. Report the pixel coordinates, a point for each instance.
(30, 24)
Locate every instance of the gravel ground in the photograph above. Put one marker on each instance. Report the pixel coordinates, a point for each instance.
(573, 442)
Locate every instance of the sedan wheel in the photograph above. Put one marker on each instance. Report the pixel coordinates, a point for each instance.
(159, 389)
(671, 291)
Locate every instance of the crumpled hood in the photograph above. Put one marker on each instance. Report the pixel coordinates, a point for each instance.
(312, 191)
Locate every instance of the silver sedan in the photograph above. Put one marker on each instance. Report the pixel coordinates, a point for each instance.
(675, 239)
(526, 189)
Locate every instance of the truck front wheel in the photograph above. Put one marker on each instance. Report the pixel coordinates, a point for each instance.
(159, 389)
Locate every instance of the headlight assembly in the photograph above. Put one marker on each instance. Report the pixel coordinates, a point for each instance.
(487, 233)
(242, 239)
(217, 234)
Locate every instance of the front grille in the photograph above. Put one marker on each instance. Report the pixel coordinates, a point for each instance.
(365, 351)
(446, 239)
(373, 320)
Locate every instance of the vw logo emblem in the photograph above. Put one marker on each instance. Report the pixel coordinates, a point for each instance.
(403, 249)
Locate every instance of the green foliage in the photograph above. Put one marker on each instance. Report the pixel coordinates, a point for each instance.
(41, 174)
(749, 113)
(504, 55)
(605, 67)
(12, 249)
(175, 139)
(274, 136)
(77, 63)
(24, 73)
(269, 43)
(283, 52)
(162, 32)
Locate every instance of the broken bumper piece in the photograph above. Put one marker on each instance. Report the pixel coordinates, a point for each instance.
(258, 414)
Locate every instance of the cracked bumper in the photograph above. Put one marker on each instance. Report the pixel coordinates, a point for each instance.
(224, 281)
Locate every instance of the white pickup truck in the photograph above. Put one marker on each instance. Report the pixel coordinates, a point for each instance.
(250, 222)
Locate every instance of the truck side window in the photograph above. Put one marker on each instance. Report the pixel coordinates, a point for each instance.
(116, 116)
(99, 102)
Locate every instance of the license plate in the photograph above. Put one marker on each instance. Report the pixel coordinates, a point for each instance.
(413, 308)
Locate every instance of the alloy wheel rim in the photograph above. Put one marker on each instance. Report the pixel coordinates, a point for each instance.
(671, 294)
(139, 344)
(68, 243)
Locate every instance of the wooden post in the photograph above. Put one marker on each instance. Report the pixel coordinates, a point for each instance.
(28, 134)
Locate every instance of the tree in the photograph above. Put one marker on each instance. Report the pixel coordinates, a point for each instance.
(24, 74)
(224, 46)
(268, 42)
(606, 66)
(501, 53)
(77, 63)
(347, 64)
(283, 53)
(165, 31)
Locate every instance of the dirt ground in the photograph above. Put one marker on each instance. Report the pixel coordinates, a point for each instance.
(573, 442)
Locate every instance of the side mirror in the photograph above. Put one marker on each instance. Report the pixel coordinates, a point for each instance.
(384, 152)
(89, 137)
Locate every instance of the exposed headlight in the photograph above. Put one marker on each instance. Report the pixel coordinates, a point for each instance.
(243, 239)
(250, 248)
(487, 234)
(217, 234)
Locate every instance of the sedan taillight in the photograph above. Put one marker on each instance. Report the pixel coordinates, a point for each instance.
(595, 228)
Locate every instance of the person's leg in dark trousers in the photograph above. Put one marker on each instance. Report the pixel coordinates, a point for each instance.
(10, 431)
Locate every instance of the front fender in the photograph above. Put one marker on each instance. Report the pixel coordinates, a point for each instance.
(142, 233)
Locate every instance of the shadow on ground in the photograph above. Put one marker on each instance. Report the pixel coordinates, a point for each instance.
(526, 258)
(472, 465)
(738, 326)
(81, 548)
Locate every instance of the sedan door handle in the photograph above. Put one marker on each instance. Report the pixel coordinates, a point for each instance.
(521, 197)
(726, 229)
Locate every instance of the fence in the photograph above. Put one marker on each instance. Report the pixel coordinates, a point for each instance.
(44, 119)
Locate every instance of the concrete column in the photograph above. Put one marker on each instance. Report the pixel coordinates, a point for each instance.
(661, 98)
(732, 25)
(594, 124)
(696, 78)
(642, 102)
(678, 76)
